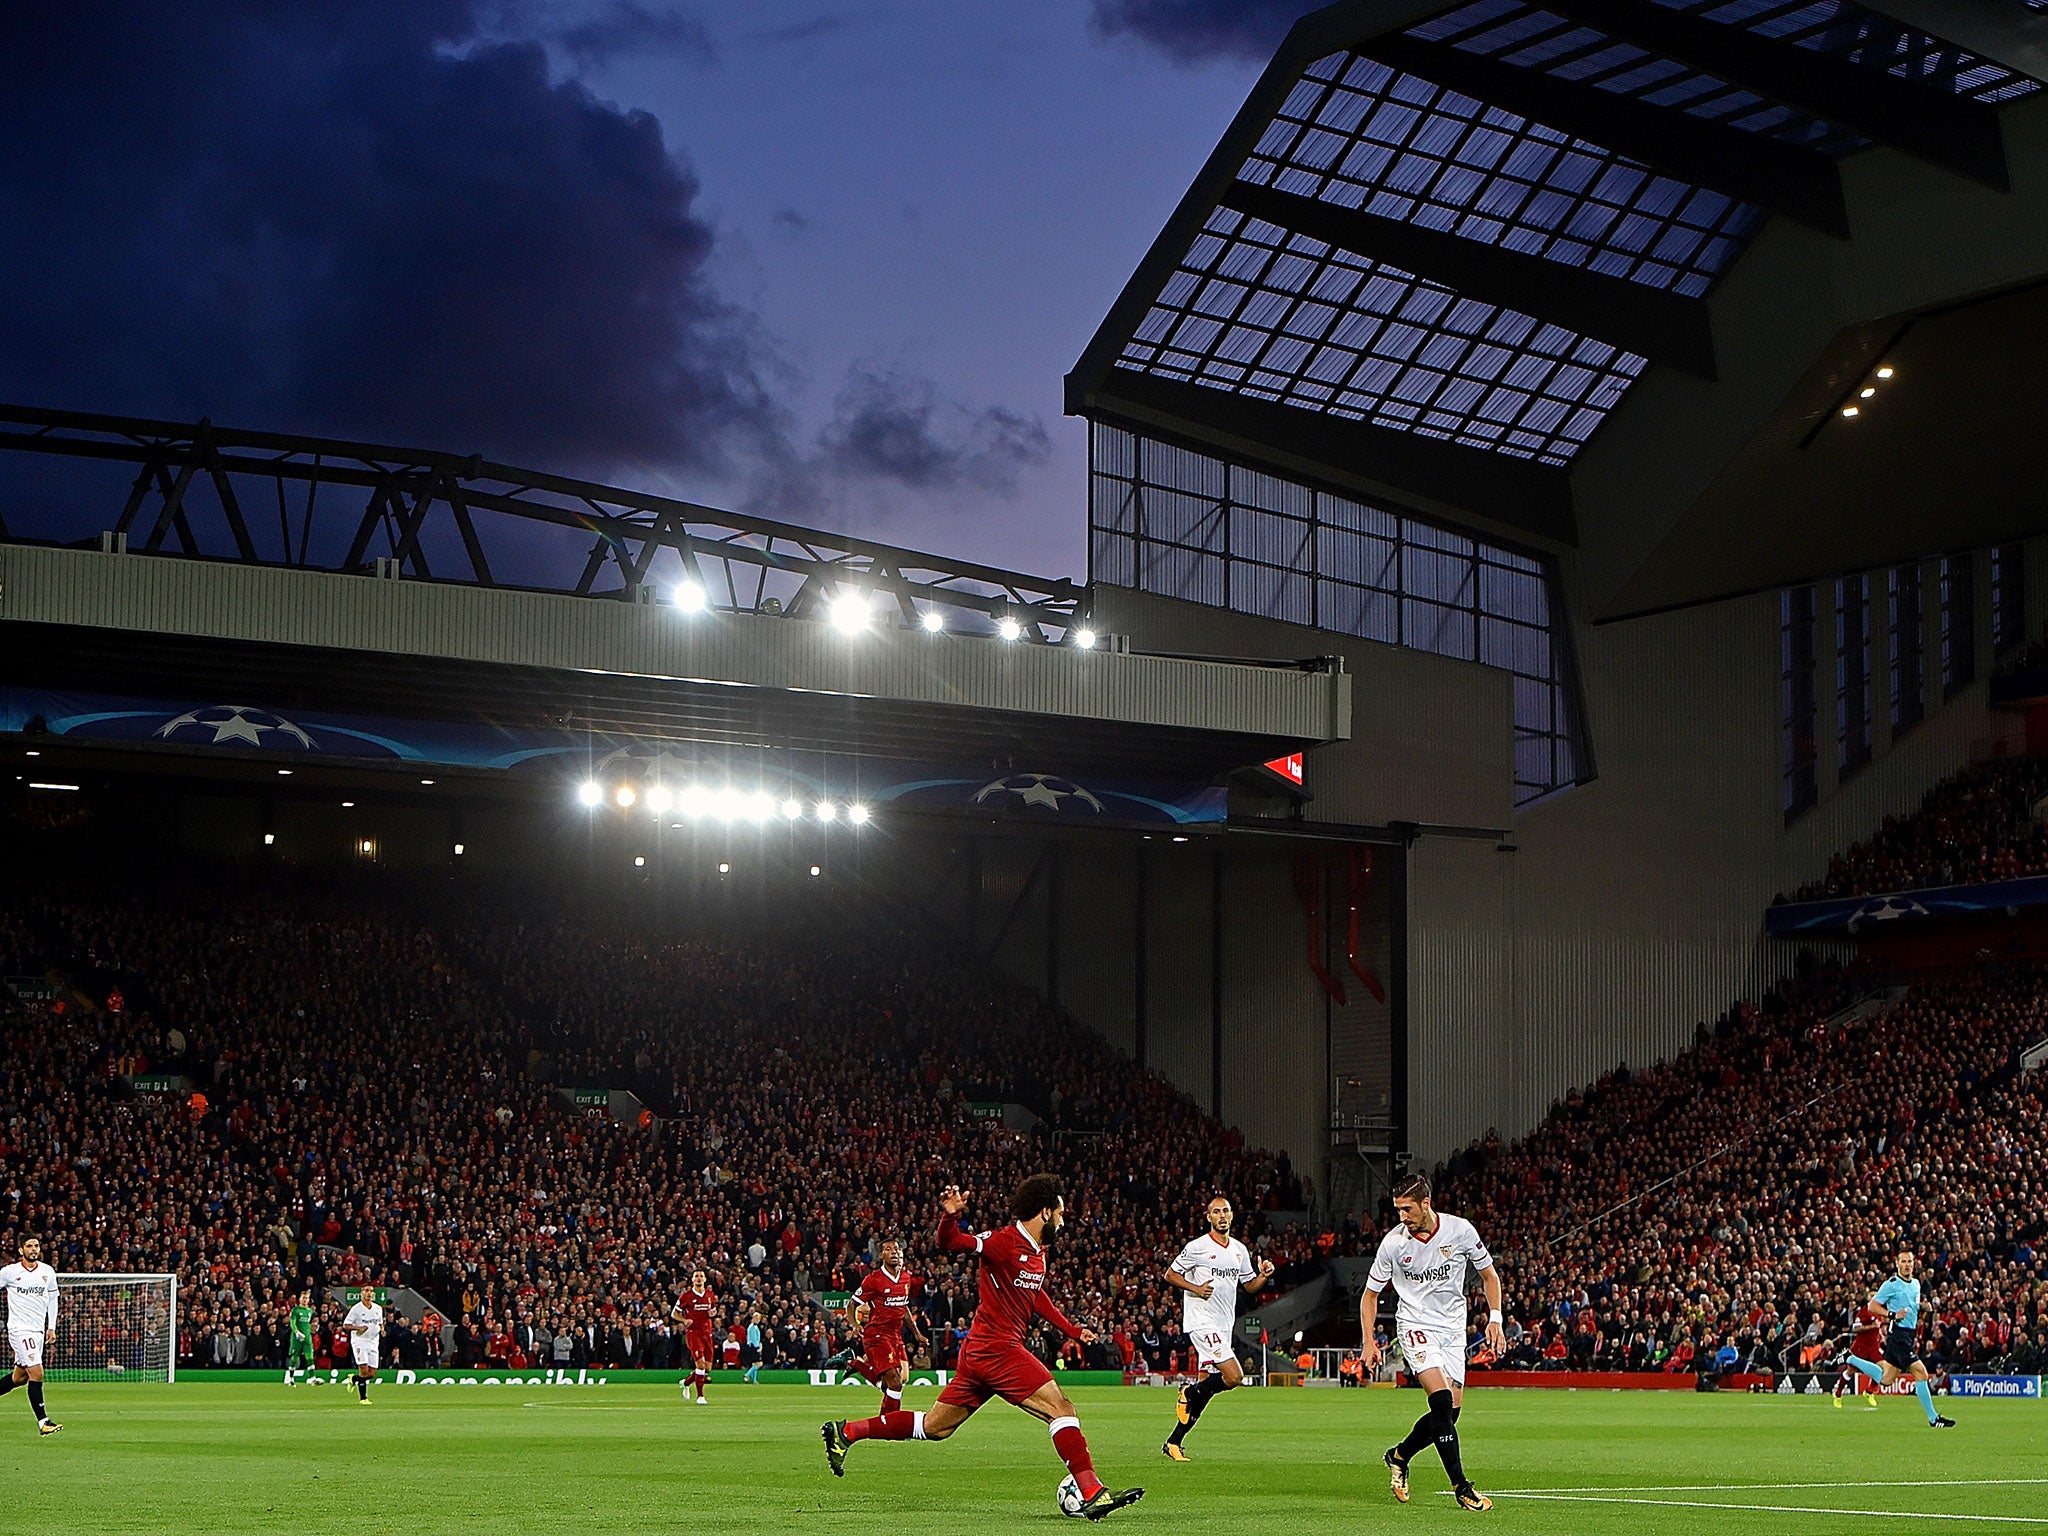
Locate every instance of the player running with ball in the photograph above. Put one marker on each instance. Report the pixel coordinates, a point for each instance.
(994, 1361)
(1424, 1258)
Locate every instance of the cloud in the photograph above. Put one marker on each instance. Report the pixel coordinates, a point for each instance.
(625, 27)
(889, 428)
(356, 218)
(1194, 31)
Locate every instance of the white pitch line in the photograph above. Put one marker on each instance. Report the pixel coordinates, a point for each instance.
(1935, 1482)
(1779, 1509)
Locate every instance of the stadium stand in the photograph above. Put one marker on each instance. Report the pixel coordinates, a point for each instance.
(1747, 1194)
(366, 1092)
(1974, 826)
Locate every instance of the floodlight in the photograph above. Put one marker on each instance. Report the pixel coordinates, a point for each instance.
(725, 869)
(589, 792)
(933, 621)
(1850, 410)
(696, 801)
(814, 869)
(1866, 392)
(626, 796)
(760, 806)
(689, 596)
(458, 850)
(1885, 373)
(827, 810)
(857, 814)
(426, 781)
(849, 612)
(284, 773)
(1085, 639)
(792, 809)
(659, 799)
(269, 838)
(639, 861)
(729, 804)
(1009, 628)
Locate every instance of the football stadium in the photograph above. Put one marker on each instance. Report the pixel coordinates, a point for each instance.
(1517, 882)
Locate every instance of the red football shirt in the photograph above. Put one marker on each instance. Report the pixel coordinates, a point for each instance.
(1869, 1341)
(1012, 1285)
(888, 1302)
(700, 1310)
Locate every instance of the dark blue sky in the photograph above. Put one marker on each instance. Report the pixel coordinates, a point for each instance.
(826, 261)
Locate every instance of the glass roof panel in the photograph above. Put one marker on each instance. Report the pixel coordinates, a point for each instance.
(1374, 138)
(1257, 311)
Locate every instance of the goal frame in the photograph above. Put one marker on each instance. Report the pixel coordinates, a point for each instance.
(171, 1347)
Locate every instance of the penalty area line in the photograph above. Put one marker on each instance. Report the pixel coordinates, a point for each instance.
(1776, 1509)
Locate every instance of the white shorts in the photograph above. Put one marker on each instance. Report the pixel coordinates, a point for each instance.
(27, 1347)
(1211, 1350)
(365, 1354)
(1435, 1349)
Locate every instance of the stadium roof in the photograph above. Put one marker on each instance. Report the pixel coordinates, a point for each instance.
(1603, 274)
(311, 572)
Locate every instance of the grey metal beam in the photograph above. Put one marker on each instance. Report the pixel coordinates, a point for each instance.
(1997, 31)
(1780, 178)
(1662, 326)
(1956, 134)
(1437, 480)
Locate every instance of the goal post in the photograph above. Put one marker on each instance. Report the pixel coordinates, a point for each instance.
(115, 1328)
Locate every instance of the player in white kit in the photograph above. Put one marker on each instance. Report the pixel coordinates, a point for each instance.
(365, 1328)
(1424, 1259)
(31, 1287)
(1209, 1273)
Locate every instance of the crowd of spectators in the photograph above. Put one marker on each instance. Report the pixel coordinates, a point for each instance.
(376, 1085)
(1975, 826)
(1728, 1209)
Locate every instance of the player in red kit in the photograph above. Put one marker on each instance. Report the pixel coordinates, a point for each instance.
(994, 1361)
(881, 1310)
(1867, 1345)
(697, 1310)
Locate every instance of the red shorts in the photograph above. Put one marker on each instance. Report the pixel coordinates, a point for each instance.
(1010, 1372)
(883, 1354)
(703, 1353)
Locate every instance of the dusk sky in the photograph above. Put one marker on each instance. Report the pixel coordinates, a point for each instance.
(829, 262)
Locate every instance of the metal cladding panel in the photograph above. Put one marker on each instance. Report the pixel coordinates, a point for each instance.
(1098, 937)
(1632, 910)
(1275, 1084)
(1179, 995)
(218, 600)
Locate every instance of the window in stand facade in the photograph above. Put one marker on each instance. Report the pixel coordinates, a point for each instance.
(1958, 625)
(1852, 674)
(1185, 524)
(2008, 597)
(1801, 744)
(1907, 648)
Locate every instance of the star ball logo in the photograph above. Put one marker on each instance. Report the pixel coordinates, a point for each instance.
(220, 725)
(1043, 790)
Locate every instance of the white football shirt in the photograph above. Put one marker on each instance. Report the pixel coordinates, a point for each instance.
(1428, 1274)
(1222, 1266)
(371, 1316)
(31, 1298)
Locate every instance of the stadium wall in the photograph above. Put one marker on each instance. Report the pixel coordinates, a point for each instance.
(1630, 908)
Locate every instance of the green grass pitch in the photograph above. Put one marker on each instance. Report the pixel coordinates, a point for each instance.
(203, 1458)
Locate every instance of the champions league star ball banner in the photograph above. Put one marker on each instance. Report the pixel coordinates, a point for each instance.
(1043, 794)
(1867, 914)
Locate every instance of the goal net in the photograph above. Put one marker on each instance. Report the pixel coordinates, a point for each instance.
(114, 1328)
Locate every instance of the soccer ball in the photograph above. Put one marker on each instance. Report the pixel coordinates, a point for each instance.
(1070, 1497)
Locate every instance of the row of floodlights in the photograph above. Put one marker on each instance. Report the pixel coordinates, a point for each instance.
(851, 610)
(696, 803)
(1869, 389)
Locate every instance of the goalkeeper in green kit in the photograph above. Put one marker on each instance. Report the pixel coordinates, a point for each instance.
(299, 1356)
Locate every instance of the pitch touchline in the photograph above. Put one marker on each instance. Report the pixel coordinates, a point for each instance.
(1941, 1482)
(1779, 1509)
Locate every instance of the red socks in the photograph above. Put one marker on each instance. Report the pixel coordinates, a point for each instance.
(890, 1426)
(891, 1402)
(1072, 1445)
